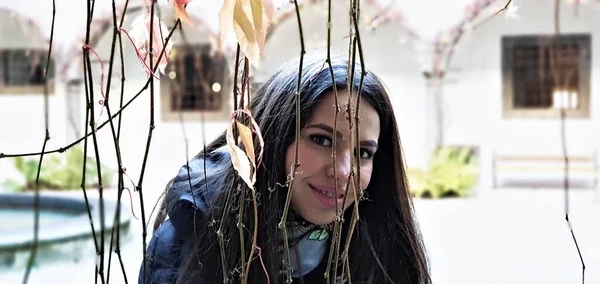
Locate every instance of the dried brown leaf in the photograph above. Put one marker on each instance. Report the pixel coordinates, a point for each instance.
(249, 20)
(243, 162)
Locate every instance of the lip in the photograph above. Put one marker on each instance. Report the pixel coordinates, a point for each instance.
(325, 200)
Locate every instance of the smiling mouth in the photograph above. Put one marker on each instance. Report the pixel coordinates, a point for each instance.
(327, 193)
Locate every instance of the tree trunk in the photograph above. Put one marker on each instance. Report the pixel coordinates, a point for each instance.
(435, 133)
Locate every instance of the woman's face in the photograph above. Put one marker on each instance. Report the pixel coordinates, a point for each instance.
(314, 194)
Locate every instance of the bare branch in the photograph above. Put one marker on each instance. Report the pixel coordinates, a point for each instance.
(36, 200)
(282, 223)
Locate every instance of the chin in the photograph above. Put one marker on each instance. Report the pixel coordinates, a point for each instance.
(321, 220)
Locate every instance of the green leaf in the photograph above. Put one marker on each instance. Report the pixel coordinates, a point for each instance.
(318, 235)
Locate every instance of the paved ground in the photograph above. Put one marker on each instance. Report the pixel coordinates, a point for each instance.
(512, 236)
(505, 236)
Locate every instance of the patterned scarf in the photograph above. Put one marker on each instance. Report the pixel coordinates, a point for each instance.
(308, 245)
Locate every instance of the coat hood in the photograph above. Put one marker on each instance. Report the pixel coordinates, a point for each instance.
(192, 192)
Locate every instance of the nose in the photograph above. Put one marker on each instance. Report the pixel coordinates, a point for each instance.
(342, 166)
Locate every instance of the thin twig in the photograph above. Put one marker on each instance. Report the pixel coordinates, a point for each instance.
(282, 223)
(122, 69)
(348, 114)
(36, 200)
(563, 137)
(356, 139)
(117, 218)
(236, 89)
(254, 237)
(339, 231)
(221, 238)
(92, 124)
(338, 220)
(220, 234)
(352, 176)
(83, 176)
(253, 192)
(98, 169)
(240, 226)
(150, 130)
(504, 8)
(242, 200)
(88, 82)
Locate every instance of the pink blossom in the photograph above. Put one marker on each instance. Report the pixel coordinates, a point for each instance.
(140, 36)
(180, 12)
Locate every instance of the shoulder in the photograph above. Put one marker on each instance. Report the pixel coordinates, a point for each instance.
(187, 199)
(194, 189)
(164, 255)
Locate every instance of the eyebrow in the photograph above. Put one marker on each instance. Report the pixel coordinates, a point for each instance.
(364, 143)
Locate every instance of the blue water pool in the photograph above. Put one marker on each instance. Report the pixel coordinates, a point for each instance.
(22, 218)
(64, 227)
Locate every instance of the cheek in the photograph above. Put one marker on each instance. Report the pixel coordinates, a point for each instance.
(365, 175)
(290, 156)
(309, 157)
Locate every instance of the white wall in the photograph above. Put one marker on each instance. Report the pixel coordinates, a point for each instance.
(22, 126)
(473, 102)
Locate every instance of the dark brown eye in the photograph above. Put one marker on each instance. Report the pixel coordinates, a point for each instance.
(321, 140)
(363, 153)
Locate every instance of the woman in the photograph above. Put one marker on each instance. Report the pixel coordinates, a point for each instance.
(386, 246)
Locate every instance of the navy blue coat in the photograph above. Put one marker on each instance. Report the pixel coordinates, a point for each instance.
(168, 246)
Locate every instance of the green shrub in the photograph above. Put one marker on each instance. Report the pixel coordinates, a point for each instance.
(60, 171)
(452, 173)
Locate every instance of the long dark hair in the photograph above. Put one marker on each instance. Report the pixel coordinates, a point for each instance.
(386, 246)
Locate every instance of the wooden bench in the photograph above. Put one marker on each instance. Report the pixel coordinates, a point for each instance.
(541, 163)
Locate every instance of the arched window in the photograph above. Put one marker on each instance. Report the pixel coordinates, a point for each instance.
(23, 55)
(197, 80)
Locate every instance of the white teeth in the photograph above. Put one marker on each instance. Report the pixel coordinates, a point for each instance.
(329, 194)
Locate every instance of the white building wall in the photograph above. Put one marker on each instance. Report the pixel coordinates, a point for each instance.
(22, 126)
(473, 100)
